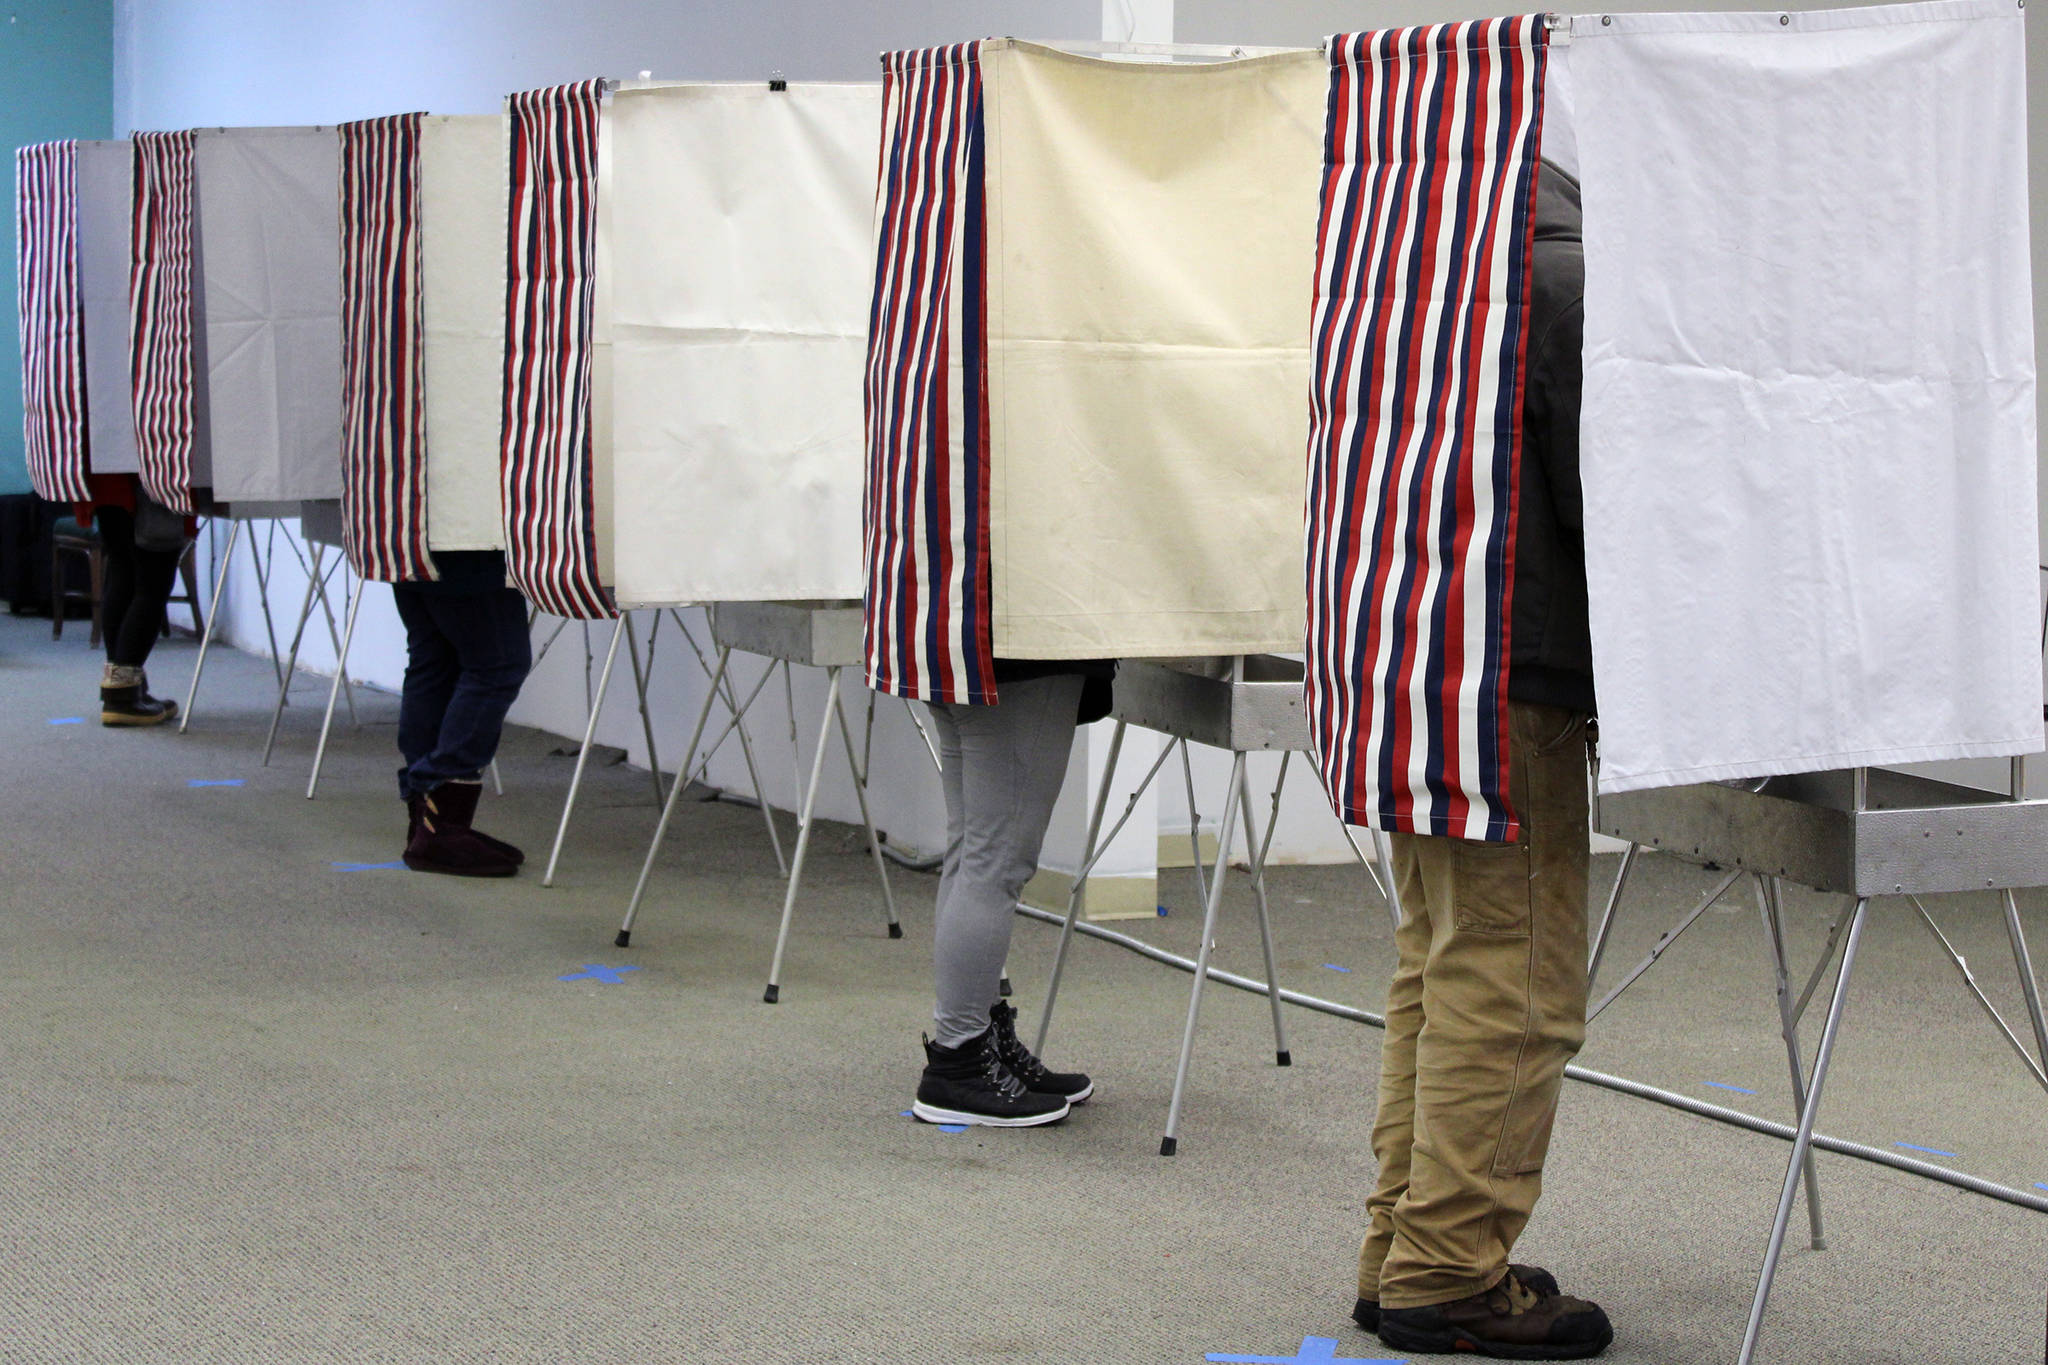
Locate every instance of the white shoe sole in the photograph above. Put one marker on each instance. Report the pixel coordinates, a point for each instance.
(1082, 1097)
(931, 1113)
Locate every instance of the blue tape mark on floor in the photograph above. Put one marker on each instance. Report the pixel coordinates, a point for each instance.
(68, 720)
(942, 1127)
(215, 781)
(1335, 968)
(1931, 1151)
(597, 971)
(1723, 1085)
(2039, 1186)
(1314, 1351)
(365, 867)
(1162, 910)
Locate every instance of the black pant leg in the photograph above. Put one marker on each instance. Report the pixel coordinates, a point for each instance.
(155, 574)
(117, 580)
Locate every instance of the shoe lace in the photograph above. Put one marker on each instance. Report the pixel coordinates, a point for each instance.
(1017, 1057)
(998, 1074)
(1517, 1298)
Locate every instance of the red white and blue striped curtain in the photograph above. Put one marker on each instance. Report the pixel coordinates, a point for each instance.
(160, 316)
(1419, 341)
(926, 522)
(52, 319)
(551, 275)
(383, 372)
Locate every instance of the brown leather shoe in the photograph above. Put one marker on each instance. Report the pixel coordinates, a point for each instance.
(1507, 1322)
(1534, 1278)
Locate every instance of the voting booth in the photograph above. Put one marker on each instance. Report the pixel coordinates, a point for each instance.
(732, 298)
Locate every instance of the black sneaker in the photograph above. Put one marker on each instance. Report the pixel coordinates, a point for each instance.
(1508, 1322)
(1534, 1278)
(970, 1084)
(1071, 1086)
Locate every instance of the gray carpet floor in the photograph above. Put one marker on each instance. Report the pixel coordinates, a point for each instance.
(263, 1099)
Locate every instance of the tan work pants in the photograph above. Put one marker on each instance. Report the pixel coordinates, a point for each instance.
(1486, 1007)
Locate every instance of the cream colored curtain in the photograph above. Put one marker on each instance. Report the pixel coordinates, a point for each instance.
(462, 295)
(1151, 247)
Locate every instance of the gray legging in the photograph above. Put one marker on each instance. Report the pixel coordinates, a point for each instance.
(1003, 768)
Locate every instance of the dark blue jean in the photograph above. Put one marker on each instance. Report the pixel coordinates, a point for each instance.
(468, 652)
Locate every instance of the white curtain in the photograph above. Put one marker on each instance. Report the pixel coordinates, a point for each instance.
(270, 311)
(462, 297)
(734, 272)
(1151, 246)
(1808, 445)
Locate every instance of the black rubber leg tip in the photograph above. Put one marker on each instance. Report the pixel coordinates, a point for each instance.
(1004, 989)
(771, 995)
(1168, 1146)
(624, 940)
(1283, 1059)
(895, 931)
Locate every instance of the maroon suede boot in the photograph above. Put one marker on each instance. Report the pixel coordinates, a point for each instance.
(442, 841)
(458, 802)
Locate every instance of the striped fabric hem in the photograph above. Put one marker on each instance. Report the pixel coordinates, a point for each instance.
(926, 517)
(551, 250)
(54, 433)
(160, 317)
(1419, 344)
(383, 368)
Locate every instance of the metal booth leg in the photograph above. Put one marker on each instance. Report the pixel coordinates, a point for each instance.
(1187, 777)
(1628, 863)
(1257, 851)
(1670, 937)
(859, 771)
(348, 639)
(668, 807)
(640, 682)
(1802, 1143)
(2030, 987)
(732, 705)
(803, 835)
(1170, 1143)
(262, 560)
(611, 656)
(292, 663)
(220, 579)
(1970, 983)
(754, 776)
(1772, 910)
(1059, 956)
(334, 633)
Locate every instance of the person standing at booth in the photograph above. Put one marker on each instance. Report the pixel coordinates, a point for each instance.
(1002, 767)
(1488, 1002)
(141, 542)
(467, 655)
